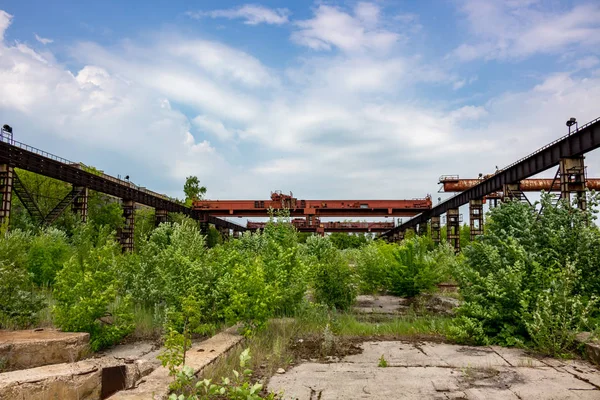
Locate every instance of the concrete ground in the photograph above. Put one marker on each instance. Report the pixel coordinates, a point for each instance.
(439, 371)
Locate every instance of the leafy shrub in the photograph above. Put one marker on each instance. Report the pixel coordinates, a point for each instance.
(47, 253)
(19, 301)
(236, 387)
(333, 280)
(558, 315)
(519, 281)
(405, 269)
(88, 292)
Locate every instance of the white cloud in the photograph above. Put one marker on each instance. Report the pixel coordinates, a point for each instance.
(251, 13)
(212, 127)
(516, 29)
(223, 61)
(587, 62)
(5, 20)
(43, 40)
(356, 123)
(332, 27)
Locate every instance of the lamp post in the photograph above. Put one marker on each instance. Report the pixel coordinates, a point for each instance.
(572, 121)
(6, 132)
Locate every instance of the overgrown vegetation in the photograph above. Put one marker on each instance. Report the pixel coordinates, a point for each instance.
(531, 280)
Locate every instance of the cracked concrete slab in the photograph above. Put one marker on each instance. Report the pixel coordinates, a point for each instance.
(439, 371)
(369, 304)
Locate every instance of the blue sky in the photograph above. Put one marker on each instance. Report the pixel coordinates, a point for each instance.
(346, 99)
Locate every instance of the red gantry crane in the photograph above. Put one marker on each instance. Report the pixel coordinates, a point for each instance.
(313, 208)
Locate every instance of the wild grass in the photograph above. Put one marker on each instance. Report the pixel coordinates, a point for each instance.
(349, 325)
(148, 322)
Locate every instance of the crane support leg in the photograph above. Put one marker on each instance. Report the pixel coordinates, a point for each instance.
(435, 230)
(80, 203)
(224, 233)
(6, 185)
(129, 227)
(422, 229)
(453, 228)
(572, 179)
(476, 218)
(160, 216)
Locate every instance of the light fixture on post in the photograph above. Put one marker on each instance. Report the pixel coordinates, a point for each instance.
(6, 132)
(572, 121)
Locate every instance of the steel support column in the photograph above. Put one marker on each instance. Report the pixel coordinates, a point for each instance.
(129, 227)
(453, 228)
(224, 232)
(476, 218)
(160, 216)
(572, 179)
(422, 229)
(435, 230)
(6, 184)
(80, 203)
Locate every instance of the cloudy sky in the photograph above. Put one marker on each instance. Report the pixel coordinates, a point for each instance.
(326, 99)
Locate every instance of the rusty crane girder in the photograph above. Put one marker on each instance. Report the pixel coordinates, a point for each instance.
(452, 183)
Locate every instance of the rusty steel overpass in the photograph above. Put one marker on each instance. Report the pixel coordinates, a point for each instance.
(567, 153)
(14, 154)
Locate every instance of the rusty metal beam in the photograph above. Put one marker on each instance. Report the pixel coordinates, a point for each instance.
(584, 140)
(20, 155)
(526, 185)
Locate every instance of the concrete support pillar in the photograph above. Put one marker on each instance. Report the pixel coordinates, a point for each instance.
(453, 228)
(80, 203)
(129, 227)
(6, 185)
(435, 230)
(572, 180)
(476, 218)
(422, 229)
(160, 216)
(398, 237)
(224, 232)
(203, 222)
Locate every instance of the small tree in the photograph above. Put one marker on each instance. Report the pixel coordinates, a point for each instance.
(193, 190)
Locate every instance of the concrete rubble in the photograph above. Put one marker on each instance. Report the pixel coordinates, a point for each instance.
(34, 348)
(439, 371)
(156, 385)
(132, 370)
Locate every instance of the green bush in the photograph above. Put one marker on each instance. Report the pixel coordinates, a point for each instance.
(333, 280)
(405, 269)
(88, 292)
(531, 279)
(47, 253)
(19, 301)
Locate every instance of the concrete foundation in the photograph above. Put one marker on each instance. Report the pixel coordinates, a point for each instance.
(28, 349)
(421, 370)
(156, 385)
(83, 380)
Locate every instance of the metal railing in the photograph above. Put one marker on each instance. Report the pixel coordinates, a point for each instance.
(31, 149)
(524, 158)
